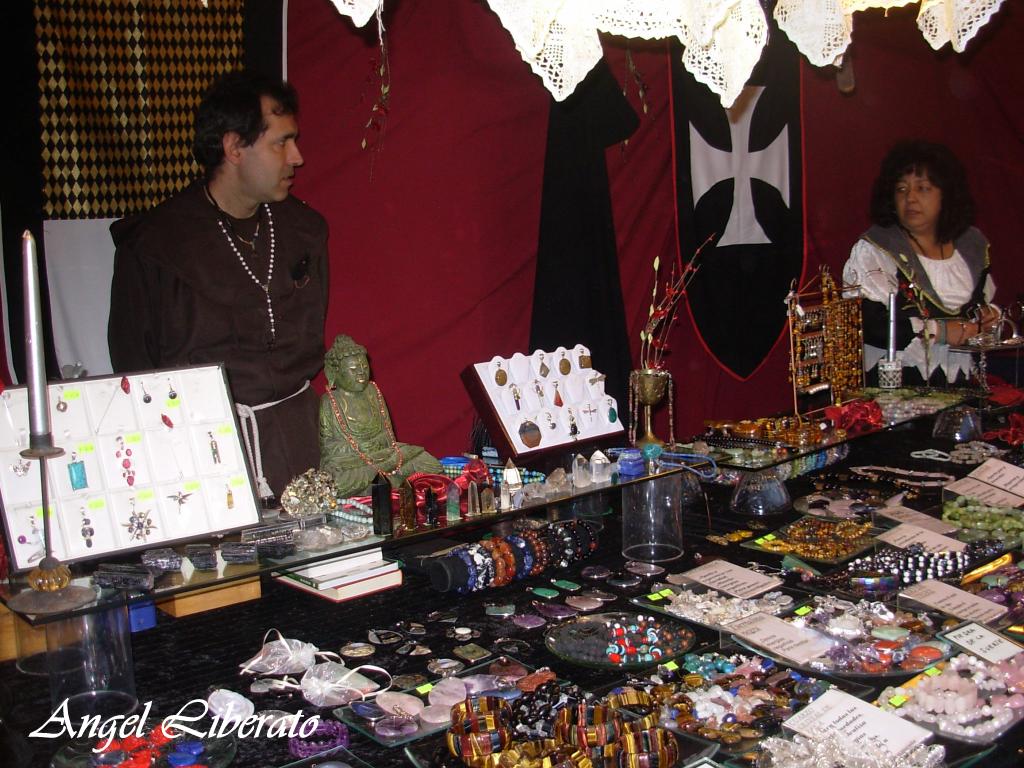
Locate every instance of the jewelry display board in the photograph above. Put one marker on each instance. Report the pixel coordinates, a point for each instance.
(826, 346)
(544, 400)
(149, 459)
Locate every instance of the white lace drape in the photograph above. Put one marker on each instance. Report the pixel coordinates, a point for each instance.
(821, 28)
(722, 39)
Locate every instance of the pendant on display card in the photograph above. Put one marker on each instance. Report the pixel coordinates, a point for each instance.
(558, 397)
(87, 530)
(539, 390)
(214, 449)
(517, 397)
(76, 473)
(613, 416)
(543, 370)
(230, 498)
(564, 366)
(500, 377)
(585, 361)
(530, 434)
(574, 429)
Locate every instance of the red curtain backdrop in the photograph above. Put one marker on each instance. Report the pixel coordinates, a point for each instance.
(434, 231)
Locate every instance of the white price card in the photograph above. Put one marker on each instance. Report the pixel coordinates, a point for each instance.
(984, 643)
(780, 638)
(856, 722)
(954, 601)
(732, 579)
(912, 516)
(1002, 475)
(973, 488)
(906, 534)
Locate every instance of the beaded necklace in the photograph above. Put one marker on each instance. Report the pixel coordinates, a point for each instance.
(263, 286)
(387, 428)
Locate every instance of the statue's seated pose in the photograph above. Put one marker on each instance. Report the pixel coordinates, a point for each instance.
(357, 440)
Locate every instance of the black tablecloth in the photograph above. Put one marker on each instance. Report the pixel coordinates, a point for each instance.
(182, 659)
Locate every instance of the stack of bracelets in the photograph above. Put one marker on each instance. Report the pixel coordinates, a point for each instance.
(499, 560)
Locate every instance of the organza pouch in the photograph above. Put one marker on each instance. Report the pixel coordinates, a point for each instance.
(281, 657)
(330, 684)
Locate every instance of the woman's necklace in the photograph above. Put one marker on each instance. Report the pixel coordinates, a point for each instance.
(920, 248)
(387, 428)
(264, 286)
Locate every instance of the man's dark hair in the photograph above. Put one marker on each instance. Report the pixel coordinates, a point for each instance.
(233, 104)
(941, 167)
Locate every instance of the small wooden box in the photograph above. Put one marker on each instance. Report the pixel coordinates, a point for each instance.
(211, 598)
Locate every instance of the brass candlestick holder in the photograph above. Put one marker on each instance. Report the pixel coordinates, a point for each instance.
(50, 581)
(648, 387)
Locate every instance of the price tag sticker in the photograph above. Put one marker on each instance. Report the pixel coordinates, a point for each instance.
(654, 597)
(803, 610)
(225, 429)
(146, 495)
(85, 448)
(237, 481)
(175, 403)
(96, 504)
(425, 688)
(192, 485)
(71, 394)
(984, 643)
(898, 701)
(671, 666)
(666, 592)
(134, 437)
(933, 671)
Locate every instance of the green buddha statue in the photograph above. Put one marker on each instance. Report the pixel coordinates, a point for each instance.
(357, 439)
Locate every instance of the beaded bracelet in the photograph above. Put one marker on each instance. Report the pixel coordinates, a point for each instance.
(586, 725)
(478, 744)
(462, 553)
(527, 553)
(651, 748)
(500, 567)
(328, 735)
(484, 566)
(564, 549)
(540, 552)
(502, 552)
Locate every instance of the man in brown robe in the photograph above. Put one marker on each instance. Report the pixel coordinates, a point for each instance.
(234, 270)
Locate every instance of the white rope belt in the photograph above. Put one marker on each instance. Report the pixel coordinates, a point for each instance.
(251, 436)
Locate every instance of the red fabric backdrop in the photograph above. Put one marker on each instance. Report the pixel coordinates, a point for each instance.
(433, 235)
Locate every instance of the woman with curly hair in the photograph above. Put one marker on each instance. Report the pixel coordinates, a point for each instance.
(922, 246)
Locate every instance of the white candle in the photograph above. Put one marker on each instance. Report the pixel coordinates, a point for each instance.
(38, 404)
(892, 328)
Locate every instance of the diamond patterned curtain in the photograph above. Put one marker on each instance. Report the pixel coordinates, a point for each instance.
(119, 82)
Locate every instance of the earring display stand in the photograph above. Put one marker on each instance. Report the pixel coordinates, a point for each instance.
(536, 403)
(826, 345)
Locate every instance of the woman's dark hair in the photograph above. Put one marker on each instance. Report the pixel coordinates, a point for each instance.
(942, 168)
(233, 104)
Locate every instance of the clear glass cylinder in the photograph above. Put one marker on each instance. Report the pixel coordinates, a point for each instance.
(103, 682)
(652, 516)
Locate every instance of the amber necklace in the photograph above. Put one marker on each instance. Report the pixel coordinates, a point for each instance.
(264, 286)
(387, 428)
